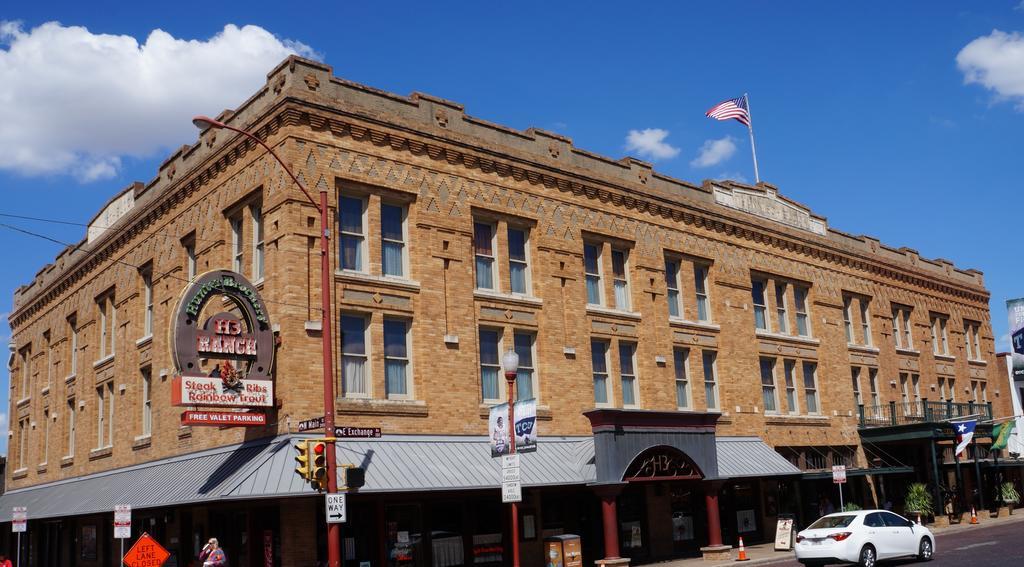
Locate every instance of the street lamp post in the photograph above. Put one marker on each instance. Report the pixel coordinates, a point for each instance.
(333, 530)
(510, 364)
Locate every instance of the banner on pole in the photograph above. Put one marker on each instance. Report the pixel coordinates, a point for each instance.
(525, 427)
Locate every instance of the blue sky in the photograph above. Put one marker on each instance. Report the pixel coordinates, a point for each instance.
(899, 120)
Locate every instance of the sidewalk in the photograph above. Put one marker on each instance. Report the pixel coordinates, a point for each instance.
(765, 553)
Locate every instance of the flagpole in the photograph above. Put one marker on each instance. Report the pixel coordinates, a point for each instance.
(750, 129)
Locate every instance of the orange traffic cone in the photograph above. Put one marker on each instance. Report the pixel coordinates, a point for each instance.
(974, 516)
(743, 552)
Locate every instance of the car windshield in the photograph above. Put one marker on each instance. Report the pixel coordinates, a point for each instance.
(832, 522)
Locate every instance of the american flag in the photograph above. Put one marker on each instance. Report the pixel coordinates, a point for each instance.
(729, 109)
(964, 434)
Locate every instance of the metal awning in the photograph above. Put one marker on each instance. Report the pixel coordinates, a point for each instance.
(264, 468)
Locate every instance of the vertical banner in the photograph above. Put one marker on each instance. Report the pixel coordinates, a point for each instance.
(1015, 307)
(525, 427)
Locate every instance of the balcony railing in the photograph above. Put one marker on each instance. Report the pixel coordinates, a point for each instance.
(905, 413)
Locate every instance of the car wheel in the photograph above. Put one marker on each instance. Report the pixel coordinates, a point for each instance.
(868, 558)
(924, 551)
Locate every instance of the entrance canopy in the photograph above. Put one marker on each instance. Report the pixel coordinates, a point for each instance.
(394, 463)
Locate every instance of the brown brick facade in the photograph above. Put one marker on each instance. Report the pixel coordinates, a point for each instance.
(446, 171)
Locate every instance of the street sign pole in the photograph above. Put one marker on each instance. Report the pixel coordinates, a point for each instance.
(17, 557)
(839, 477)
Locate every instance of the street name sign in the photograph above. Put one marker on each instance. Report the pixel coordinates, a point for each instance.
(19, 519)
(336, 508)
(146, 552)
(122, 522)
(341, 431)
(839, 474)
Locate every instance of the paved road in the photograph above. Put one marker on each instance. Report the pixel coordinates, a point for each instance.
(1002, 545)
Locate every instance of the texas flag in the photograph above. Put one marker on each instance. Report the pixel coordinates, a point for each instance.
(964, 434)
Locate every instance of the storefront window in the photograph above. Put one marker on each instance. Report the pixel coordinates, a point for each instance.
(446, 545)
(487, 527)
(404, 536)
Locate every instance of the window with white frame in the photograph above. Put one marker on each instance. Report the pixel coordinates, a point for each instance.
(627, 373)
(483, 250)
(974, 391)
(675, 308)
(620, 279)
(855, 378)
(147, 301)
(599, 366)
(680, 360)
(811, 387)
(700, 282)
(865, 321)
(71, 428)
(26, 360)
(189, 244)
(901, 327)
(73, 345)
(803, 320)
(523, 343)
(355, 381)
(768, 392)
(49, 360)
(952, 388)
(392, 236)
(258, 250)
(147, 401)
(905, 392)
(942, 388)
(592, 270)
(22, 445)
(789, 372)
(352, 228)
(105, 415)
(915, 383)
(108, 324)
(237, 243)
(396, 358)
(490, 365)
(848, 318)
(984, 392)
(757, 289)
(518, 261)
(940, 335)
(46, 436)
(873, 388)
(710, 379)
(780, 306)
(971, 342)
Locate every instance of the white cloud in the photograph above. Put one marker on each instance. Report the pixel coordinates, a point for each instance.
(650, 143)
(732, 176)
(1020, 7)
(995, 61)
(75, 102)
(1004, 340)
(714, 152)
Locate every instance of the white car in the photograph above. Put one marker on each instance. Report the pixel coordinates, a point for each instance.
(863, 537)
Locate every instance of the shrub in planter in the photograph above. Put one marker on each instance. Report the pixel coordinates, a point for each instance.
(918, 500)
(1008, 494)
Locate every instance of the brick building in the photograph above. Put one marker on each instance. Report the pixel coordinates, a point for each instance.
(721, 330)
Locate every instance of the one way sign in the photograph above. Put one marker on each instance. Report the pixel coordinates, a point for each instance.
(336, 508)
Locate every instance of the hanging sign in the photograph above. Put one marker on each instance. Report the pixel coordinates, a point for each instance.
(224, 418)
(526, 427)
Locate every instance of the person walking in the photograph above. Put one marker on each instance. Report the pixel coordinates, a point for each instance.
(212, 555)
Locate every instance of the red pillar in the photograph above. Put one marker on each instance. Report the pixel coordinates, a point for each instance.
(714, 521)
(610, 522)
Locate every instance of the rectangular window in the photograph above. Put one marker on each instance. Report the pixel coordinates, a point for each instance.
(523, 343)
(620, 279)
(700, 281)
(942, 388)
(915, 382)
(873, 387)
(353, 356)
(757, 293)
(789, 369)
(905, 392)
(490, 365)
(22, 437)
(672, 284)
(396, 358)
(952, 389)
(190, 257)
(971, 343)
(147, 300)
(857, 399)
(803, 322)
(105, 415)
(71, 428)
(848, 318)
(811, 387)
(25, 371)
(768, 385)
(351, 218)
(108, 325)
(147, 402)
(901, 327)
(237, 244)
(865, 321)
(518, 261)
(483, 248)
(974, 391)
(780, 307)
(73, 345)
(592, 269)
(680, 358)
(599, 364)
(49, 360)
(627, 373)
(392, 236)
(984, 392)
(258, 260)
(940, 336)
(46, 437)
(710, 379)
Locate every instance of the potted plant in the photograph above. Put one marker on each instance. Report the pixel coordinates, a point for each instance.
(918, 501)
(1008, 494)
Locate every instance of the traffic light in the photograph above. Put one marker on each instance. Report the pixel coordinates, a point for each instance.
(318, 470)
(303, 459)
(355, 477)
